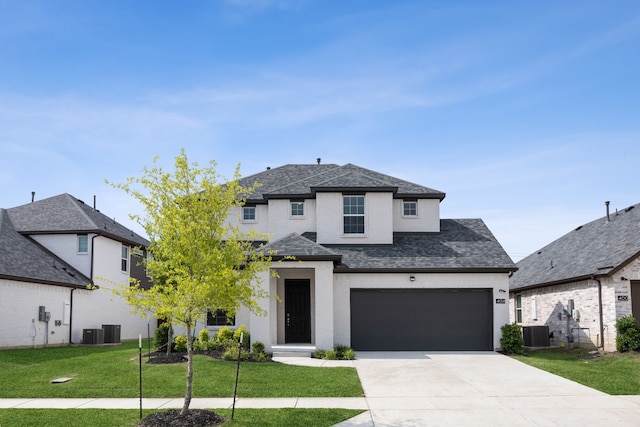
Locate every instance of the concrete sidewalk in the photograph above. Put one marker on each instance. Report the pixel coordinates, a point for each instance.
(196, 403)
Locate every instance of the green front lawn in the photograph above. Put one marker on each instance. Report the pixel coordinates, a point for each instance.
(614, 373)
(112, 371)
(126, 417)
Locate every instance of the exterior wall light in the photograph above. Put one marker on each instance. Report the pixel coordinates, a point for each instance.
(412, 278)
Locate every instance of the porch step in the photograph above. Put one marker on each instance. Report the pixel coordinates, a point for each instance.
(291, 354)
(292, 350)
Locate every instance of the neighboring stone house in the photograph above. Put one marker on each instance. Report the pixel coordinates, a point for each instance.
(375, 267)
(597, 267)
(63, 255)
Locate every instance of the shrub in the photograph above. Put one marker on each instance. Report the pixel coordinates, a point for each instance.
(340, 349)
(331, 355)
(161, 336)
(320, 354)
(349, 354)
(260, 357)
(628, 334)
(224, 333)
(242, 331)
(181, 343)
(511, 340)
(232, 354)
(203, 335)
(257, 347)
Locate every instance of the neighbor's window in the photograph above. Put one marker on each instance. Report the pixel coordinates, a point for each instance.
(219, 318)
(83, 243)
(297, 208)
(518, 308)
(249, 213)
(410, 208)
(353, 211)
(124, 262)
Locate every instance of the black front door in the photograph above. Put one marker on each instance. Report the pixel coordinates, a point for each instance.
(297, 307)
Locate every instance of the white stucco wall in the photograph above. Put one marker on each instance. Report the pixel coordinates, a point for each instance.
(65, 246)
(427, 220)
(92, 309)
(343, 283)
(19, 324)
(260, 225)
(270, 329)
(378, 228)
(282, 223)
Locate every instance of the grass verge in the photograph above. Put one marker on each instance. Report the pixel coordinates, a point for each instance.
(613, 373)
(127, 417)
(112, 371)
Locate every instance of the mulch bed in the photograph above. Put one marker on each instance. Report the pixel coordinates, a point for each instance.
(193, 418)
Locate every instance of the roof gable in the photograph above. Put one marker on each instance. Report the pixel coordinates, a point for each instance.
(598, 248)
(67, 214)
(25, 260)
(294, 245)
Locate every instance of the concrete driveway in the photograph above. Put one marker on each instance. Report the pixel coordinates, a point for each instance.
(478, 389)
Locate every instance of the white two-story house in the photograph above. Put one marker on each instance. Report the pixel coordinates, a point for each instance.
(375, 266)
(59, 260)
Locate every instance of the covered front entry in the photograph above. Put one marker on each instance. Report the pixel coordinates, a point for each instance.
(297, 306)
(421, 319)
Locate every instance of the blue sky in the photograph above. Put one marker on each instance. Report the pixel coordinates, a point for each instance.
(527, 114)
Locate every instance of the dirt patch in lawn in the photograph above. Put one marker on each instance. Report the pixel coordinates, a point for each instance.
(193, 418)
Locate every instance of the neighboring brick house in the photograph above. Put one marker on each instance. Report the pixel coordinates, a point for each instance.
(51, 250)
(375, 267)
(597, 266)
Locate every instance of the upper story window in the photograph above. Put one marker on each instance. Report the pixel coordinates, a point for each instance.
(518, 308)
(124, 261)
(249, 213)
(410, 208)
(353, 211)
(83, 243)
(297, 208)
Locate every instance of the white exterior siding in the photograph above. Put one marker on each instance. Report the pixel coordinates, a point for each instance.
(92, 309)
(378, 214)
(343, 283)
(427, 220)
(282, 223)
(65, 246)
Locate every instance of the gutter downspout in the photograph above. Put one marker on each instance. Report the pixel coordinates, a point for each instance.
(600, 312)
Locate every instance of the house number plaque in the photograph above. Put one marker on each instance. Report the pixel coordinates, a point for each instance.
(623, 297)
(501, 301)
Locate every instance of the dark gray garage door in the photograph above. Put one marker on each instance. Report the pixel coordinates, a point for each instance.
(421, 319)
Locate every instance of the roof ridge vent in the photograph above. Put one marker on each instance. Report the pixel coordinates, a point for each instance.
(578, 228)
(629, 208)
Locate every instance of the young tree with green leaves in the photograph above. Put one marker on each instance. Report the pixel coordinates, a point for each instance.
(199, 260)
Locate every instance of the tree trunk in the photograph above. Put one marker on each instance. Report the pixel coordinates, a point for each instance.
(169, 338)
(187, 396)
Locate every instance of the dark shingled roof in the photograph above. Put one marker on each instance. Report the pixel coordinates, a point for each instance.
(66, 214)
(598, 248)
(23, 259)
(461, 245)
(301, 248)
(305, 180)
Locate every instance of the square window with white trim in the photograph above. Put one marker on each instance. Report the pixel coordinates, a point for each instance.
(249, 214)
(297, 209)
(410, 208)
